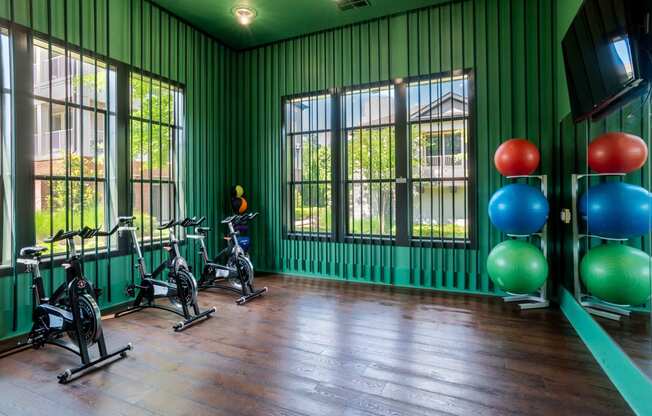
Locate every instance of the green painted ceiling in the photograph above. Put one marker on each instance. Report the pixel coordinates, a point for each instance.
(278, 19)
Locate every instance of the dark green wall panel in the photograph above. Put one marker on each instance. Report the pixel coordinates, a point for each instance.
(508, 44)
(169, 48)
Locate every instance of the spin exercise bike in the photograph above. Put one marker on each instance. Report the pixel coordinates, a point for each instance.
(71, 310)
(237, 275)
(180, 288)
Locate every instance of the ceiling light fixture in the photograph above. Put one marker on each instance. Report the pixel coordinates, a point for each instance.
(245, 15)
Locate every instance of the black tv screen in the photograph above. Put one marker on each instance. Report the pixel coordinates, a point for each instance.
(606, 56)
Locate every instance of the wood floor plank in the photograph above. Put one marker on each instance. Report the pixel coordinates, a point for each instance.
(313, 347)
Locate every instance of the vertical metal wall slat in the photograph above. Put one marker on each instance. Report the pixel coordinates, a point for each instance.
(81, 123)
(50, 119)
(107, 129)
(150, 131)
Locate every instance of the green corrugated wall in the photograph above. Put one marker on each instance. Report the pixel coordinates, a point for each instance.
(509, 45)
(173, 50)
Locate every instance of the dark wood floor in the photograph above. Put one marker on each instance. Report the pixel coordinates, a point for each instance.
(313, 347)
(634, 335)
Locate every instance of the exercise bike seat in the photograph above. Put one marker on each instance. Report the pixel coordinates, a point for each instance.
(32, 251)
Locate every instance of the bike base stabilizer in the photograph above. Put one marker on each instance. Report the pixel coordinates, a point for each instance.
(67, 375)
(180, 326)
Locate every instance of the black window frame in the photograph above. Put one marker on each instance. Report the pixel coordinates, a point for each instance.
(21, 41)
(112, 110)
(403, 178)
(471, 201)
(288, 171)
(179, 125)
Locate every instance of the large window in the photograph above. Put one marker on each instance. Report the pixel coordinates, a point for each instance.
(156, 152)
(368, 131)
(438, 111)
(74, 142)
(392, 164)
(309, 161)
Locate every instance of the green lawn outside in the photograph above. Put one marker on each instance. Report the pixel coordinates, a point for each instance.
(44, 229)
(45, 226)
(306, 219)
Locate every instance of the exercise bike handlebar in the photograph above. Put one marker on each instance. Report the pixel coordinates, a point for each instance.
(61, 235)
(168, 224)
(188, 222)
(192, 222)
(85, 233)
(240, 219)
(112, 231)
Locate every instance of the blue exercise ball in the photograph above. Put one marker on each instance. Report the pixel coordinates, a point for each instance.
(518, 209)
(616, 210)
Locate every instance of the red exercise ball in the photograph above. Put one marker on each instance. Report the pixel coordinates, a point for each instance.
(617, 152)
(517, 157)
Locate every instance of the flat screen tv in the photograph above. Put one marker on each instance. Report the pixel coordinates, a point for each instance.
(607, 56)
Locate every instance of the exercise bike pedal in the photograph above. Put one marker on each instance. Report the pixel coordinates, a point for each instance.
(130, 290)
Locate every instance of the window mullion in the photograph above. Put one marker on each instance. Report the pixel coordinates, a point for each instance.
(23, 134)
(123, 150)
(402, 181)
(337, 187)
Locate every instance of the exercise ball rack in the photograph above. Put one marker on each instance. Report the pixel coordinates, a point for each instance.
(590, 303)
(540, 298)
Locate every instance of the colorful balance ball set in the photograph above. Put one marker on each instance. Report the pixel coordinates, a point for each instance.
(617, 273)
(517, 266)
(238, 201)
(239, 205)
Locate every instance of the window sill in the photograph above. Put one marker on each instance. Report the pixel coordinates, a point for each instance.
(6, 270)
(435, 243)
(383, 241)
(310, 237)
(89, 255)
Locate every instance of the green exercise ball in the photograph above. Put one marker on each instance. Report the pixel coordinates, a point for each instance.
(617, 273)
(517, 266)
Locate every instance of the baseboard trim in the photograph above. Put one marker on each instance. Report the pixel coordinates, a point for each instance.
(631, 382)
(309, 275)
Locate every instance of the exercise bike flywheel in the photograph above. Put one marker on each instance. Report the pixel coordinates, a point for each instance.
(187, 288)
(243, 266)
(91, 321)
